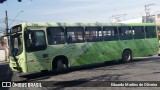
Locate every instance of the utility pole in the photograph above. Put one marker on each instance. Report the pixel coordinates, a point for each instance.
(6, 22)
(15, 18)
(147, 11)
(116, 18)
(6, 38)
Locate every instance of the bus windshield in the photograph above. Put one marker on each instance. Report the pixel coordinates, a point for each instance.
(16, 44)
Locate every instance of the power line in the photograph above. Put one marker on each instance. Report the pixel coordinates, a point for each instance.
(14, 20)
(18, 20)
(147, 11)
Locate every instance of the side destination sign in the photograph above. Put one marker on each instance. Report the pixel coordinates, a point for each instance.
(16, 29)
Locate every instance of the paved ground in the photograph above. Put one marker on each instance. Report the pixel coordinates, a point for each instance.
(141, 69)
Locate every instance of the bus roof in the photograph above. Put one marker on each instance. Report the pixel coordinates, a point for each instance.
(52, 24)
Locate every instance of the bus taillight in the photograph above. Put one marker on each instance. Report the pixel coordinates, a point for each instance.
(159, 35)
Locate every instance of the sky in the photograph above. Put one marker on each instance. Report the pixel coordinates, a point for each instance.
(73, 10)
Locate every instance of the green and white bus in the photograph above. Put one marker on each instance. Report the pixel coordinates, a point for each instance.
(56, 46)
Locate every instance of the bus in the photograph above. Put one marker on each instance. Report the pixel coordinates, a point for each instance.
(36, 47)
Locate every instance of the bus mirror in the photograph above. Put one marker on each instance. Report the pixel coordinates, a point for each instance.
(159, 35)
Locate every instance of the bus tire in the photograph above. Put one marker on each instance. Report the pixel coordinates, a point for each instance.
(44, 71)
(126, 56)
(61, 66)
(16, 76)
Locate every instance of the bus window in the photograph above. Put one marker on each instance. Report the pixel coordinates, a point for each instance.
(93, 34)
(150, 32)
(138, 32)
(35, 41)
(75, 34)
(56, 35)
(125, 33)
(110, 33)
(16, 43)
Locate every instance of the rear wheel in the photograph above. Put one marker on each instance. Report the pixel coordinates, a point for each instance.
(127, 56)
(44, 71)
(61, 66)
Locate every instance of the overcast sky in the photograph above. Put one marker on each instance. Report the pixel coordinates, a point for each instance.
(74, 10)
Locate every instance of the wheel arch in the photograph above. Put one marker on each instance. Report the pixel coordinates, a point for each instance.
(64, 59)
(125, 50)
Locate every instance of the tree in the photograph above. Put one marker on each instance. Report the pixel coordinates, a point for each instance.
(1, 1)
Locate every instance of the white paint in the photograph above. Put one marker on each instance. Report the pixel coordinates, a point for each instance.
(137, 20)
(2, 55)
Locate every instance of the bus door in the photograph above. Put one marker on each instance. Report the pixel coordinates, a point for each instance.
(36, 50)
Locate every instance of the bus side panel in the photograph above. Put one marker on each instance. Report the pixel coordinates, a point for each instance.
(140, 49)
(96, 52)
(146, 47)
(152, 46)
(110, 50)
(73, 52)
(37, 62)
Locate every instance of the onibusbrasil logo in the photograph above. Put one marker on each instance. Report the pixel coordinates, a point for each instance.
(14, 84)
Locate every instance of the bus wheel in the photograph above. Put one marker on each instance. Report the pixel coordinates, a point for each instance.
(44, 71)
(61, 66)
(127, 56)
